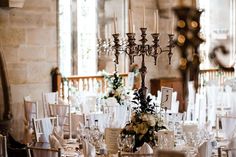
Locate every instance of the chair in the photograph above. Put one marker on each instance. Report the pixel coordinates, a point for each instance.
(42, 149)
(43, 127)
(62, 112)
(31, 111)
(170, 153)
(3, 146)
(49, 98)
(121, 154)
(228, 125)
(222, 152)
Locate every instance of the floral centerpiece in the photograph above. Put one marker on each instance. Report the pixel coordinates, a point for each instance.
(145, 122)
(116, 87)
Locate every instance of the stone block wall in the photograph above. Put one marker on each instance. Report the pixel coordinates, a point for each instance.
(28, 39)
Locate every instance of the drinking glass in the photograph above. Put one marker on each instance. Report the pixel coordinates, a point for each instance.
(120, 142)
(130, 141)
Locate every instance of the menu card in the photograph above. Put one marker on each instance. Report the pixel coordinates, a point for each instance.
(111, 135)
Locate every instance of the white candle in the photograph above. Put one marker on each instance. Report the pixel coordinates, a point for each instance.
(133, 28)
(157, 21)
(106, 31)
(115, 23)
(130, 21)
(98, 32)
(143, 16)
(172, 24)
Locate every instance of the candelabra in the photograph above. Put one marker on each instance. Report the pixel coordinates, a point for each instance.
(132, 50)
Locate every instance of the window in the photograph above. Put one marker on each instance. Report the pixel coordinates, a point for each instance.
(80, 23)
(77, 36)
(218, 28)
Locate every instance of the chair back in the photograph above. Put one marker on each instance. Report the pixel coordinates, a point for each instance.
(3, 146)
(170, 153)
(43, 127)
(31, 111)
(123, 154)
(228, 125)
(49, 98)
(43, 149)
(62, 112)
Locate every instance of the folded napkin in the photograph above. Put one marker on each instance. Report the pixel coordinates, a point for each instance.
(54, 142)
(145, 149)
(88, 149)
(58, 133)
(111, 101)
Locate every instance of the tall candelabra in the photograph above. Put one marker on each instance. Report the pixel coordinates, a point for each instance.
(143, 49)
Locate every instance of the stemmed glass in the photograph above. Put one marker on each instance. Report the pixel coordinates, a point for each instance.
(120, 142)
(130, 141)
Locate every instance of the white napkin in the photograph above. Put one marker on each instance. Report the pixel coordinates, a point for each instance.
(145, 149)
(54, 142)
(88, 149)
(58, 133)
(111, 101)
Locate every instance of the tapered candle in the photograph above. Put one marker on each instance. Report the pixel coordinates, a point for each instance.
(130, 21)
(143, 16)
(133, 28)
(98, 32)
(115, 23)
(172, 24)
(157, 21)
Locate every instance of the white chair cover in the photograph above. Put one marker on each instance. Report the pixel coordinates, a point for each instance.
(43, 127)
(228, 126)
(31, 111)
(49, 98)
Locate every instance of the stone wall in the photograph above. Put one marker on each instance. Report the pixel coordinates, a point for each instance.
(28, 39)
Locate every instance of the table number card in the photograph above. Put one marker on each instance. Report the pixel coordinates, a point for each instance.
(166, 97)
(111, 135)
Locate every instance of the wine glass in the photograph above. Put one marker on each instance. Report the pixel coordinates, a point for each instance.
(120, 142)
(130, 141)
